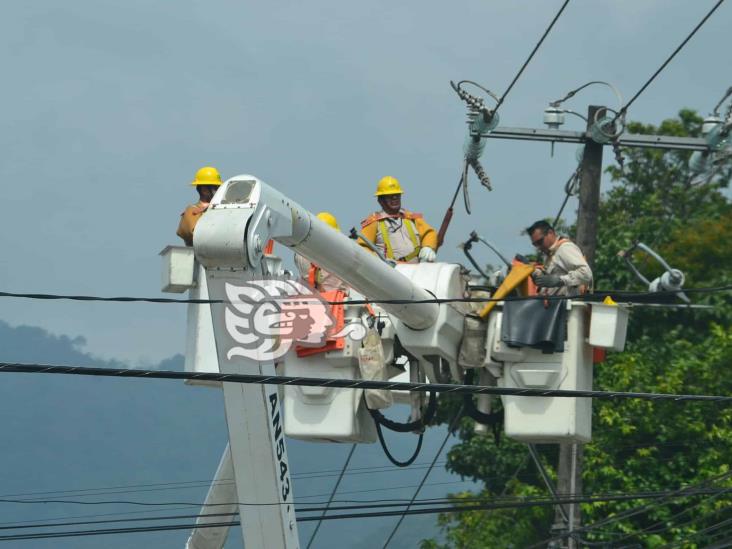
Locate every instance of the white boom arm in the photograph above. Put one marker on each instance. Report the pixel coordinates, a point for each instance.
(229, 243)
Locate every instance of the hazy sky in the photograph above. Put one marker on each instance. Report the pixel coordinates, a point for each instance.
(108, 109)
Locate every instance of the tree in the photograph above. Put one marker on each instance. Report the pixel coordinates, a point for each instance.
(638, 445)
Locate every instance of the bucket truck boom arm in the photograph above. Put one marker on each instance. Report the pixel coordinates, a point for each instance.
(229, 243)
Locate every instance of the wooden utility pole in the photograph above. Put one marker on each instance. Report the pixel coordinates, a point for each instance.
(571, 456)
(586, 238)
(589, 192)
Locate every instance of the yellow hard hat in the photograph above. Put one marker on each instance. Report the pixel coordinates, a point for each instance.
(388, 185)
(330, 219)
(207, 176)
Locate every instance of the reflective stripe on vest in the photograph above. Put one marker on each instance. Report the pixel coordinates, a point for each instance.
(387, 243)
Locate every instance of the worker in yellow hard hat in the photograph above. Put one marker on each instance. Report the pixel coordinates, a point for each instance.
(317, 277)
(400, 234)
(207, 181)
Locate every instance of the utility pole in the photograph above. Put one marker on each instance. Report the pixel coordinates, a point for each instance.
(589, 192)
(569, 470)
(571, 456)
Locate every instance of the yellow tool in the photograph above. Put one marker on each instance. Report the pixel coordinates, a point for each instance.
(518, 276)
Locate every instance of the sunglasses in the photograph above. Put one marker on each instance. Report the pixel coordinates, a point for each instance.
(538, 242)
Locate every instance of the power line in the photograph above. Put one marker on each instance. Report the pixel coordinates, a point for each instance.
(109, 531)
(332, 494)
(597, 295)
(669, 524)
(300, 497)
(306, 475)
(193, 484)
(450, 429)
(386, 489)
(20, 368)
(118, 520)
(624, 109)
(531, 56)
(357, 503)
(667, 521)
(500, 501)
(681, 492)
(693, 535)
(424, 511)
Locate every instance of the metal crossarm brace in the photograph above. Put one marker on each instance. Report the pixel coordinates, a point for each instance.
(625, 140)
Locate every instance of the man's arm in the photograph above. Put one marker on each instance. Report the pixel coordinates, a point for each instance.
(368, 229)
(187, 223)
(427, 235)
(569, 257)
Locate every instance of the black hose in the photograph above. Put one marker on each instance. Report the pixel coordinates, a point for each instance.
(408, 427)
(381, 420)
(493, 420)
(388, 454)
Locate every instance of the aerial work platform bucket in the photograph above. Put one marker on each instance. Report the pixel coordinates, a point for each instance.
(546, 419)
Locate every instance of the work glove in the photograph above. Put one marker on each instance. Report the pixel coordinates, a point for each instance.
(427, 254)
(544, 280)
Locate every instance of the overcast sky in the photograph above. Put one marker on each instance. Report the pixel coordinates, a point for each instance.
(109, 108)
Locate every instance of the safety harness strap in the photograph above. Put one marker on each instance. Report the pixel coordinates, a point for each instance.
(583, 288)
(415, 241)
(412, 236)
(385, 236)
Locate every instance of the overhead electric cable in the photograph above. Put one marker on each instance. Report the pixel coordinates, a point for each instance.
(623, 297)
(680, 543)
(386, 489)
(191, 484)
(116, 521)
(116, 531)
(624, 109)
(318, 473)
(509, 501)
(377, 503)
(681, 492)
(597, 295)
(332, 495)
(450, 429)
(531, 56)
(667, 522)
(95, 492)
(424, 511)
(20, 368)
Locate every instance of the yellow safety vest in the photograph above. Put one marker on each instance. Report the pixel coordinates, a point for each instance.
(412, 236)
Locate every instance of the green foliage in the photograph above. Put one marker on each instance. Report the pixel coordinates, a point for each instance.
(506, 528)
(653, 200)
(637, 445)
